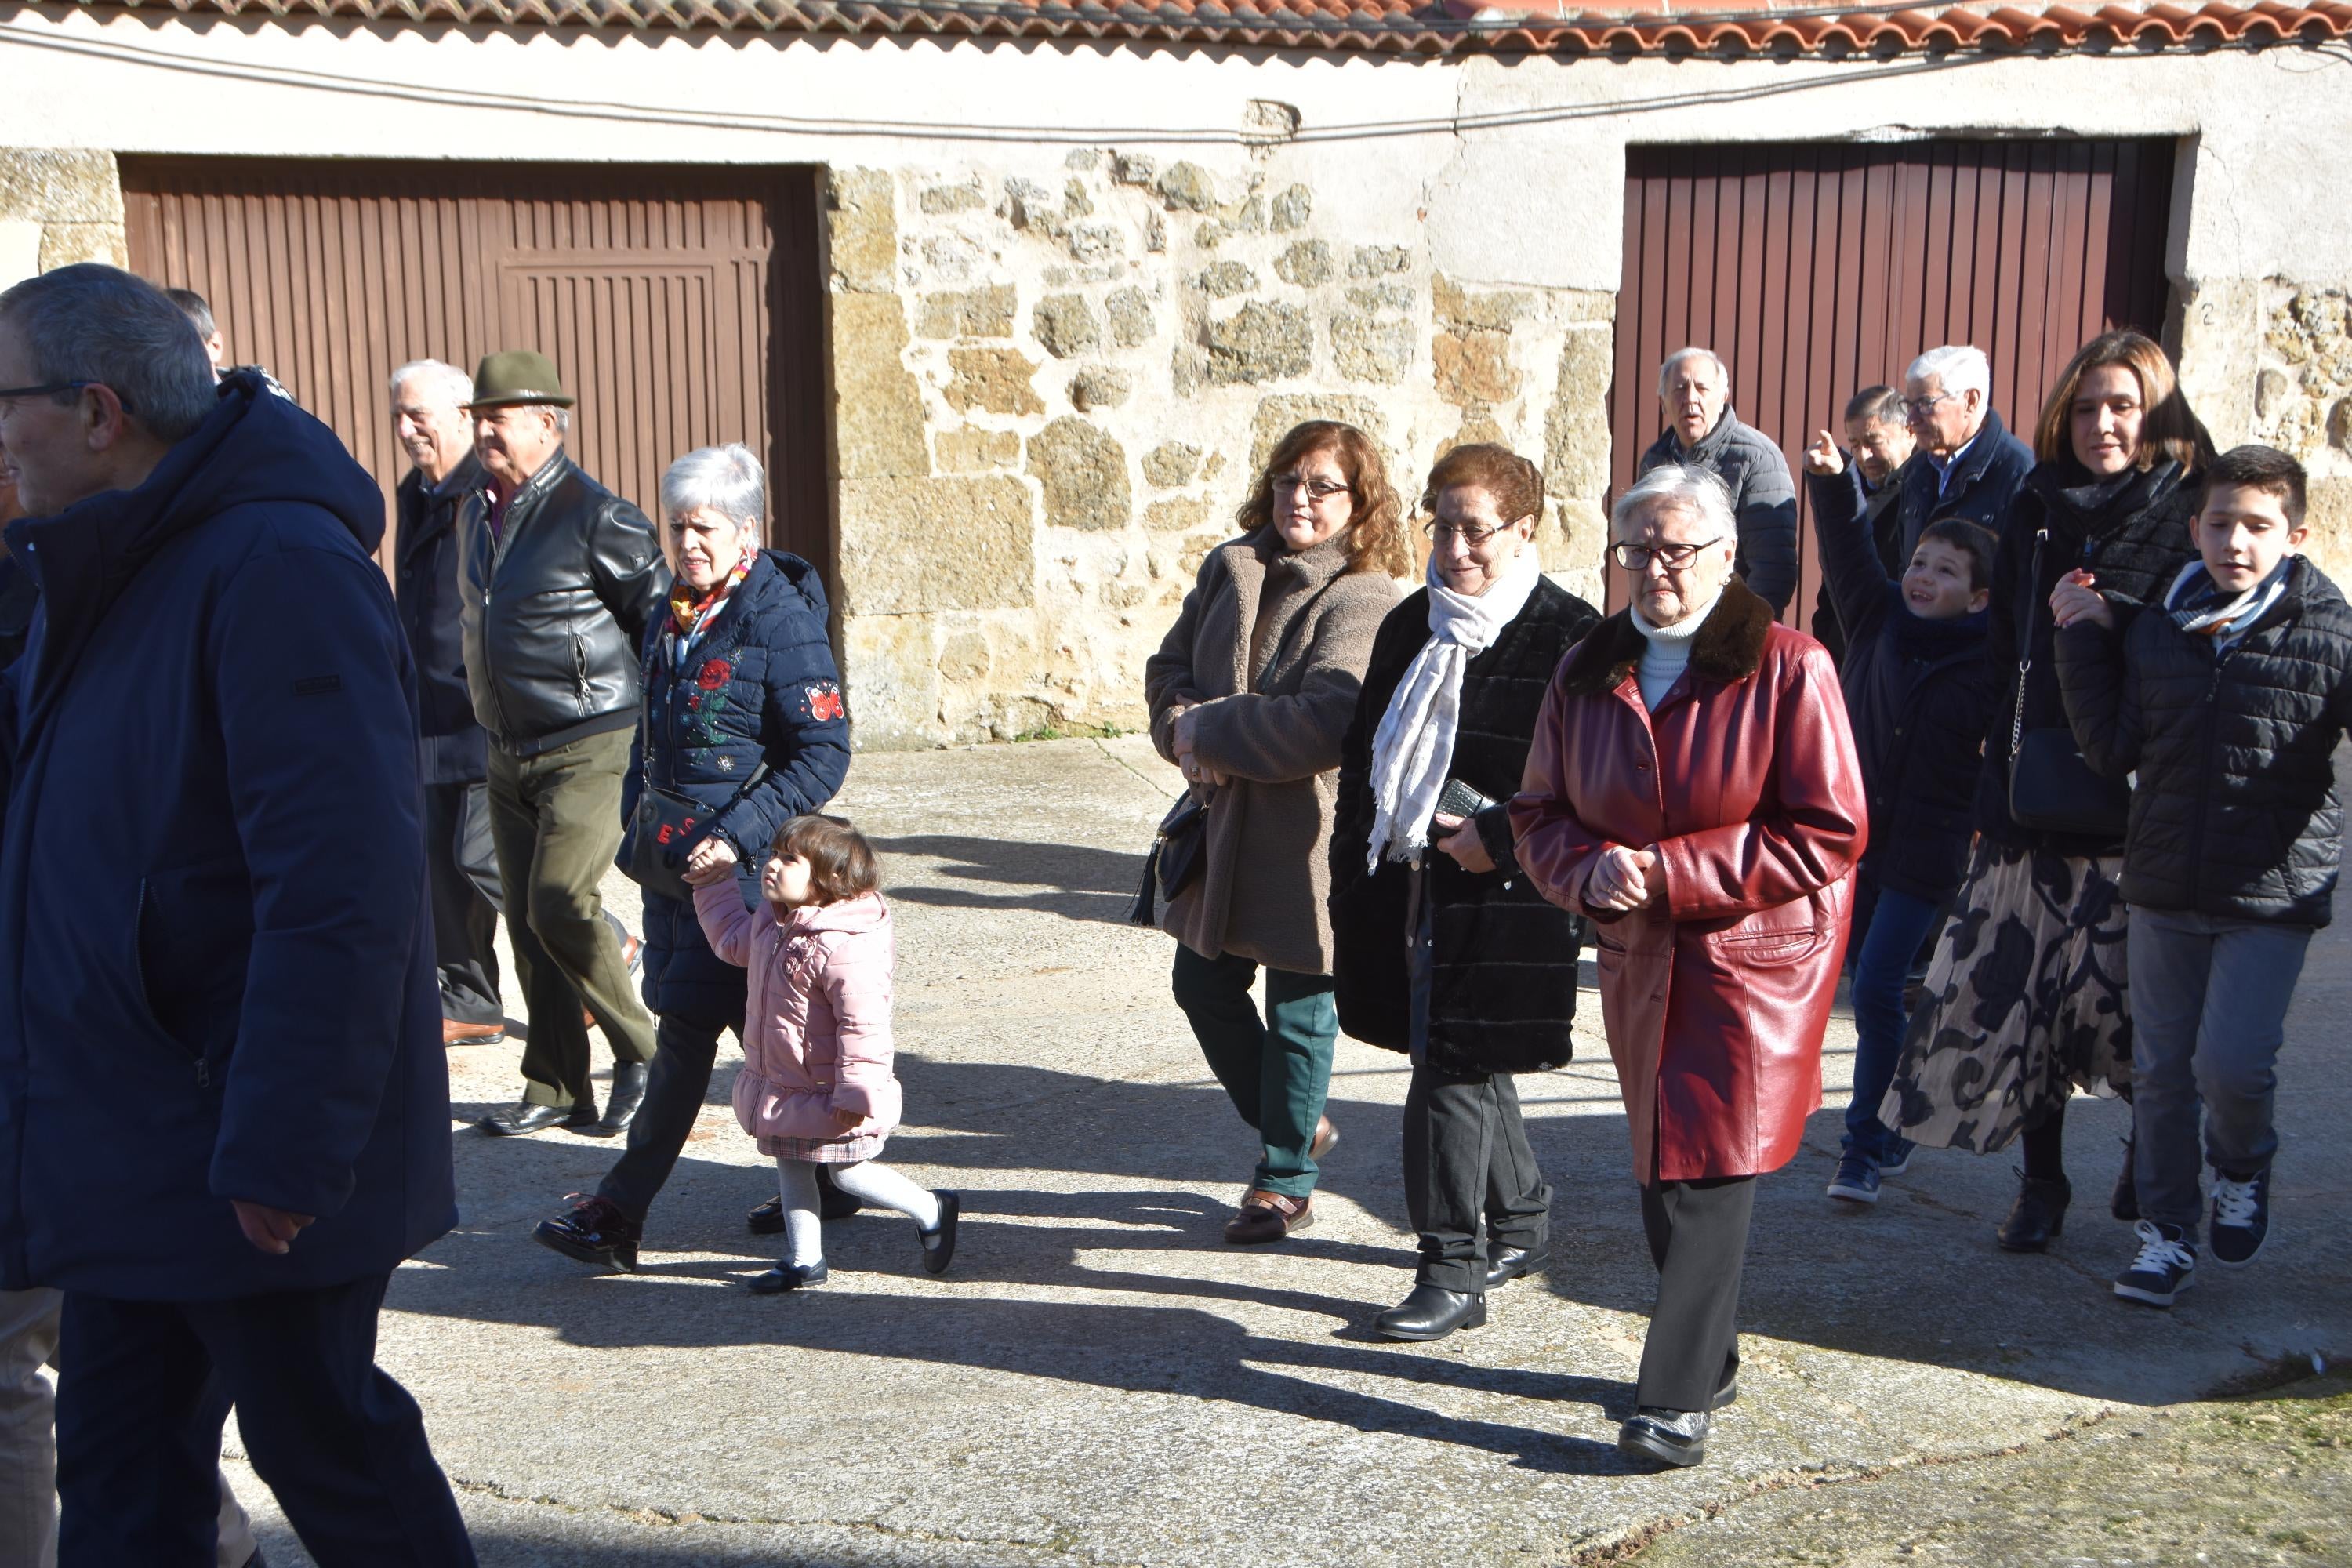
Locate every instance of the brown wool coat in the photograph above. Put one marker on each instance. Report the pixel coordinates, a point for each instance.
(1274, 731)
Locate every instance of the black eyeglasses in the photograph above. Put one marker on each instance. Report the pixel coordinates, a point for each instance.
(52, 388)
(1673, 557)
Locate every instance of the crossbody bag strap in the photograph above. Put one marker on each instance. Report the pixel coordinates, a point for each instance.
(2026, 642)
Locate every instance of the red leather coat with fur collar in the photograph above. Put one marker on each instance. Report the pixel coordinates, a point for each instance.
(1746, 781)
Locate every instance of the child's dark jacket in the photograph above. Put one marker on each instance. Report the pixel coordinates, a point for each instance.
(1918, 693)
(2234, 813)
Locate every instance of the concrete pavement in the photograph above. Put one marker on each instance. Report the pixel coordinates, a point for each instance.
(1101, 1381)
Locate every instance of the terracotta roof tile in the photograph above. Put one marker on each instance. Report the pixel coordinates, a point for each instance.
(1729, 28)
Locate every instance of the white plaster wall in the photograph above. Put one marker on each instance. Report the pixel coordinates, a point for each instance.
(1515, 167)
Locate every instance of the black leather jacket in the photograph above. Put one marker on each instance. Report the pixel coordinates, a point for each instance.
(555, 607)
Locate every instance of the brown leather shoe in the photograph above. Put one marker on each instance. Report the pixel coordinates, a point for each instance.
(456, 1034)
(1268, 1216)
(1326, 1138)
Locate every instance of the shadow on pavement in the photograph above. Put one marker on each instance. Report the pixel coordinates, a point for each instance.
(1086, 883)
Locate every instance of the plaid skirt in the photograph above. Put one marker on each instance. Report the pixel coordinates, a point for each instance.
(826, 1150)
(2025, 1001)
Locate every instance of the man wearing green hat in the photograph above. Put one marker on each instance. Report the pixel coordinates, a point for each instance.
(561, 577)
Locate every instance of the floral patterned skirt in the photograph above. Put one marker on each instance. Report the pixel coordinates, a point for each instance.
(2025, 997)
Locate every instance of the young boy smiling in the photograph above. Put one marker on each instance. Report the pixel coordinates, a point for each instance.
(2228, 698)
(1918, 690)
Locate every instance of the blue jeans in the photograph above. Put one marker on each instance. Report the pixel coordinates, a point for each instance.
(1882, 966)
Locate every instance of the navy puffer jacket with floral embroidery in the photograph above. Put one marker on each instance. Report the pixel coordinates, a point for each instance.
(759, 686)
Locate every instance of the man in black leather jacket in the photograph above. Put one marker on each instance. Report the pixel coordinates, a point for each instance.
(560, 577)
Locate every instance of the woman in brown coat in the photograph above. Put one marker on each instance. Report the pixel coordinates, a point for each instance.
(1694, 789)
(1251, 694)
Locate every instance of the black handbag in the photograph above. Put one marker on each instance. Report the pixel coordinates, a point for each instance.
(661, 834)
(2051, 788)
(1174, 858)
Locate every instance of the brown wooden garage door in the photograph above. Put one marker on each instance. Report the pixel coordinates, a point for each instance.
(682, 306)
(1820, 270)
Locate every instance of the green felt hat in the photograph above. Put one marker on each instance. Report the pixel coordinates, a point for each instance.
(517, 375)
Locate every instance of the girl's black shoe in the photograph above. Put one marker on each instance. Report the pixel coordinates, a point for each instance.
(831, 1203)
(939, 1243)
(2039, 1216)
(786, 1277)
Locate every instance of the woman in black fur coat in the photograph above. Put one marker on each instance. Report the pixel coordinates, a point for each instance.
(1441, 947)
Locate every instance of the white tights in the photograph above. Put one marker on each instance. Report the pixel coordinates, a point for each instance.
(868, 1182)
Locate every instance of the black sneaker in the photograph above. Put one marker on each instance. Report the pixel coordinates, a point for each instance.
(2166, 1266)
(1896, 1158)
(2242, 1218)
(1856, 1181)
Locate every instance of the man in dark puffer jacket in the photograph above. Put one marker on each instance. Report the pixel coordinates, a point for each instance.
(2228, 695)
(1694, 391)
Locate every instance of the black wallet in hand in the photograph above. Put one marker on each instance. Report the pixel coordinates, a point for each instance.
(1458, 799)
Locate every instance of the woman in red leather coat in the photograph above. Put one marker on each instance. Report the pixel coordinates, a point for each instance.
(1693, 789)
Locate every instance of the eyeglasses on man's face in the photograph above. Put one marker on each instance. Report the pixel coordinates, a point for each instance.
(1673, 557)
(1919, 407)
(9, 395)
(1318, 491)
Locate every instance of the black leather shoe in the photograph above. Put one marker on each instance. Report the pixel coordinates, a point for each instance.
(629, 1093)
(831, 1203)
(1676, 1437)
(1728, 1394)
(2125, 1202)
(1431, 1312)
(784, 1276)
(2039, 1216)
(1512, 1262)
(939, 1242)
(595, 1231)
(517, 1120)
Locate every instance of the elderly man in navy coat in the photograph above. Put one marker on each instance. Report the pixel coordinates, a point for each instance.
(222, 1096)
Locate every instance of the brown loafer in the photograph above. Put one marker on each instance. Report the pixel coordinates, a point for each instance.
(455, 1034)
(1268, 1216)
(1326, 1138)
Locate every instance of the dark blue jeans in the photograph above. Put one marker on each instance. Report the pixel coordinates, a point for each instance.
(1898, 923)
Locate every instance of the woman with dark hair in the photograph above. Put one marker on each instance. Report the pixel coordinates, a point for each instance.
(1251, 694)
(1440, 947)
(2026, 998)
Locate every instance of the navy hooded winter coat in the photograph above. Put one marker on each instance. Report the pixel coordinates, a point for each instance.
(758, 685)
(215, 978)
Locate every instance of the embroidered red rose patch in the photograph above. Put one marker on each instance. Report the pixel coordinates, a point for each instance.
(714, 674)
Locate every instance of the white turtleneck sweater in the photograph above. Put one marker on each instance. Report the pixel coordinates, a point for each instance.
(1665, 652)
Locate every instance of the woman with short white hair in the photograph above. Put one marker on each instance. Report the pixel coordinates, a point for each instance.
(743, 728)
(1693, 789)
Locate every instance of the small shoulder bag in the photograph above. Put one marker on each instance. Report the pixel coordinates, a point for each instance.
(2051, 788)
(1174, 858)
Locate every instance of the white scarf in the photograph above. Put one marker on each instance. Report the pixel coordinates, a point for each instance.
(1414, 745)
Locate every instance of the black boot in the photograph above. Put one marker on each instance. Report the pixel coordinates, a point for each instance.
(1508, 1263)
(1431, 1312)
(2125, 1205)
(2039, 1216)
(629, 1093)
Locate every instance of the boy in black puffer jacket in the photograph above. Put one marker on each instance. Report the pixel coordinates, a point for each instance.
(2228, 694)
(1918, 689)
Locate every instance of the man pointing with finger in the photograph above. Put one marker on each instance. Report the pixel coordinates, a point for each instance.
(223, 1112)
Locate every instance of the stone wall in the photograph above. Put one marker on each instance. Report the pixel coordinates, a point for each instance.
(2303, 405)
(57, 208)
(1051, 393)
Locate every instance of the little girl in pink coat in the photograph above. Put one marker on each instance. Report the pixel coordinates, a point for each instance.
(816, 1086)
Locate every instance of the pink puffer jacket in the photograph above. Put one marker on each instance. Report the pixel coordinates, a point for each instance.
(816, 1032)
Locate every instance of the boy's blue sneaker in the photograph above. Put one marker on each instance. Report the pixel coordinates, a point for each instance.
(2242, 1218)
(1896, 1159)
(2166, 1266)
(1856, 1181)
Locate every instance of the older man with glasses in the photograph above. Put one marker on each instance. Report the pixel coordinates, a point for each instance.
(223, 1113)
(1967, 465)
(1704, 431)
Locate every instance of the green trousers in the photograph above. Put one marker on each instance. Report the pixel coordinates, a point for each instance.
(555, 819)
(1278, 1070)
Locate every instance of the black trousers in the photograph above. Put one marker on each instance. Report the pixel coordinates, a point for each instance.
(143, 1388)
(467, 902)
(675, 1085)
(1699, 1239)
(1467, 1167)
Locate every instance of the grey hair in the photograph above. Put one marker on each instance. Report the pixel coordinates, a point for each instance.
(1683, 487)
(727, 479)
(1666, 371)
(455, 384)
(1957, 367)
(1875, 406)
(94, 322)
